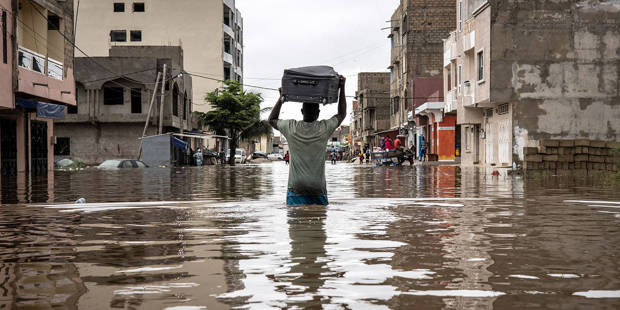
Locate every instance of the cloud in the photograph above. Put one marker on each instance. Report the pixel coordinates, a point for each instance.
(345, 34)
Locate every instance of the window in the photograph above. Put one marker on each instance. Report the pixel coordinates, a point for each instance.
(449, 78)
(4, 40)
(185, 106)
(138, 6)
(53, 22)
(113, 96)
(62, 146)
(135, 35)
(119, 7)
(118, 36)
(502, 109)
(391, 74)
(136, 100)
(395, 105)
(480, 65)
(460, 16)
(72, 109)
(175, 100)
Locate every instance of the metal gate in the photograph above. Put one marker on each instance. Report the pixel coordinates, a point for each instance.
(488, 144)
(38, 143)
(8, 149)
(505, 143)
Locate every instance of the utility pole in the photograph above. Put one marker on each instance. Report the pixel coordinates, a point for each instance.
(161, 104)
(148, 115)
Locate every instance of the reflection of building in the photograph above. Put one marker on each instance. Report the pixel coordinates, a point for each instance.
(373, 95)
(111, 113)
(210, 33)
(416, 38)
(519, 75)
(36, 81)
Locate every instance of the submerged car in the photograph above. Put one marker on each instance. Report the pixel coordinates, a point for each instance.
(239, 156)
(256, 155)
(275, 156)
(122, 163)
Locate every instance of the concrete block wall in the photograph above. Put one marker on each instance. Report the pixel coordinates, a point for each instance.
(566, 155)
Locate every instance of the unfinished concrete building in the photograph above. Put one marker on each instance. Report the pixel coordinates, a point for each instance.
(112, 110)
(417, 30)
(373, 96)
(536, 82)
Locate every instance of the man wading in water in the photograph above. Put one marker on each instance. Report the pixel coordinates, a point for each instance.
(307, 141)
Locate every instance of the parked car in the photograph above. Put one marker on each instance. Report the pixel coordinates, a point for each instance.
(259, 154)
(239, 156)
(275, 156)
(122, 163)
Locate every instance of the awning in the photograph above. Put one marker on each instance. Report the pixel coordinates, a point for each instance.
(178, 143)
(434, 108)
(44, 109)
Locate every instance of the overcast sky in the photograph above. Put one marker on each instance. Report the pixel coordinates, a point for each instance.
(344, 34)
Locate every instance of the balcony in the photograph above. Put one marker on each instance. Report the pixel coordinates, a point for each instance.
(228, 58)
(469, 41)
(228, 30)
(450, 101)
(36, 62)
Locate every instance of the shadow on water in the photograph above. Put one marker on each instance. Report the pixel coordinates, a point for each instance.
(221, 237)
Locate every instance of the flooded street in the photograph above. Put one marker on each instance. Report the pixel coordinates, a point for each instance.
(221, 237)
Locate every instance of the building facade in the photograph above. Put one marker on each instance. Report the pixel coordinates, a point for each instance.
(111, 114)
(209, 32)
(537, 79)
(36, 82)
(417, 32)
(373, 96)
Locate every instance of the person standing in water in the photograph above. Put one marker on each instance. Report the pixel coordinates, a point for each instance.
(307, 141)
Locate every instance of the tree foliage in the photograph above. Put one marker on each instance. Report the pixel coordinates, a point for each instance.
(235, 112)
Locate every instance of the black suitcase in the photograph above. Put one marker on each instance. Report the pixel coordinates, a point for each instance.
(315, 84)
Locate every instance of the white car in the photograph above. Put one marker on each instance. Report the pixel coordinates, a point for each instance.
(239, 156)
(275, 156)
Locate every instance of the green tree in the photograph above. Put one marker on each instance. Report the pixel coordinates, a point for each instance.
(236, 113)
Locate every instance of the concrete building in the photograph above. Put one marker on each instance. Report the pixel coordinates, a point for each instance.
(210, 33)
(417, 30)
(36, 82)
(536, 78)
(112, 109)
(373, 96)
(357, 142)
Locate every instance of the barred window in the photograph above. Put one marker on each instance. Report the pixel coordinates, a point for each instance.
(502, 109)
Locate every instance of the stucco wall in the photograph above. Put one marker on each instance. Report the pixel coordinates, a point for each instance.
(6, 70)
(95, 143)
(558, 63)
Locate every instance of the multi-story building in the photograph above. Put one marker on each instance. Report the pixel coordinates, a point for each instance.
(36, 81)
(534, 78)
(210, 33)
(417, 31)
(357, 142)
(112, 110)
(373, 96)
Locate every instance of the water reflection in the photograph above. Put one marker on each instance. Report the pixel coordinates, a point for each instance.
(221, 237)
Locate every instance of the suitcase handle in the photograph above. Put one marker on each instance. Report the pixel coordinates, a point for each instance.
(305, 82)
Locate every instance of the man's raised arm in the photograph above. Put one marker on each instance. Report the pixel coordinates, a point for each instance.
(275, 114)
(342, 102)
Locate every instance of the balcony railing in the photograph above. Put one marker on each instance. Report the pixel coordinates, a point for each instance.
(450, 101)
(36, 62)
(227, 58)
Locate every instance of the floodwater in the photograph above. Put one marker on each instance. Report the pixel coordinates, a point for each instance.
(221, 237)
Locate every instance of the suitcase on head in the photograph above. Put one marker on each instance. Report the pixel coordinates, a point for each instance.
(315, 84)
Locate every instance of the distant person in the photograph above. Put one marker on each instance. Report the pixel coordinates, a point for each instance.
(361, 155)
(397, 143)
(287, 157)
(198, 157)
(367, 155)
(334, 157)
(307, 141)
(388, 144)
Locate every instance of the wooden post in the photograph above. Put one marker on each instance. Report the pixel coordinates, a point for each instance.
(161, 104)
(148, 115)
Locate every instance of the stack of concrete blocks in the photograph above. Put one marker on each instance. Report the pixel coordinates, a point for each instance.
(565, 155)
